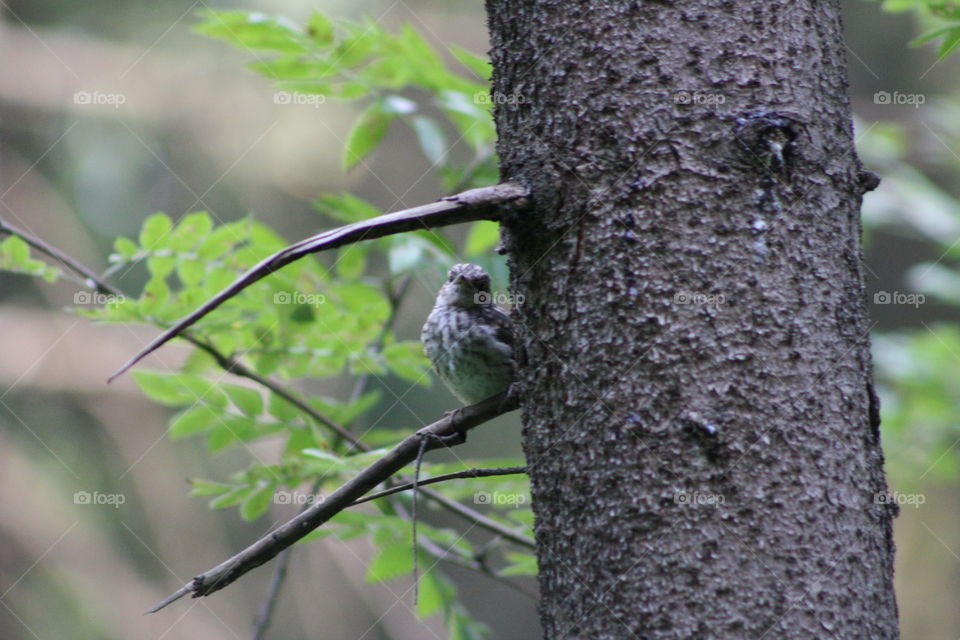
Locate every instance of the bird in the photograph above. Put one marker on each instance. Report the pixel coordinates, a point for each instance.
(468, 339)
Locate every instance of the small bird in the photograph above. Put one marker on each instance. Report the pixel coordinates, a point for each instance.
(469, 340)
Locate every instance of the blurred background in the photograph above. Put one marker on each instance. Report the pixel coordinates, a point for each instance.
(110, 111)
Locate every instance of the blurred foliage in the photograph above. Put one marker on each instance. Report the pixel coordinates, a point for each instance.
(940, 20)
(310, 321)
(364, 62)
(917, 369)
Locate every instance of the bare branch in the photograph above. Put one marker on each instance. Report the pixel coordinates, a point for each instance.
(262, 621)
(475, 204)
(266, 548)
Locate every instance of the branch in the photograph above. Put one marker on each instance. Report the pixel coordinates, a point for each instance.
(227, 363)
(468, 473)
(93, 280)
(262, 621)
(234, 366)
(455, 423)
(475, 204)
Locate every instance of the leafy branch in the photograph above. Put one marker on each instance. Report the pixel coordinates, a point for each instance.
(484, 203)
(452, 426)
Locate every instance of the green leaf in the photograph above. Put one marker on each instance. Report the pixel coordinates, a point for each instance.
(162, 390)
(949, 44)
(219, 241)
(393, 561)
(16, 252)
(252, 30)
(351, 262)
(931, 35)
(484, 236)
(320, 29)
(345, 413)
(367, 133)
(231, 498)
(475, 63)
(258, 501)
(160, 266)
(177, 390)
(431, 138)
(155, 233)
(281, 409)
(436, 238)
(363, 301)
(431, 594)
(191, 271)
(193, 421)
(896, 6)
(249, 401)
(191, 229)
(362, 41)
(15, 256)
(407, 361)
(125, 247)
(345, 207)
(521, 564)
(208, 488)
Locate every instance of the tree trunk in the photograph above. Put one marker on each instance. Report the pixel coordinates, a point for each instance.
(699, 418)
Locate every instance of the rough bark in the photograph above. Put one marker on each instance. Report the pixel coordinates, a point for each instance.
(703, 445)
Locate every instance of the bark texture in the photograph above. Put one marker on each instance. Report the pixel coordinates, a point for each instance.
(699, 422)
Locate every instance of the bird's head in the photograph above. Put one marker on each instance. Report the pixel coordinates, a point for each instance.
(467, 285)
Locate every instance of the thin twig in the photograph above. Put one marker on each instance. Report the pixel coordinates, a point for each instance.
(413, 519)
(95, 282)
(479, 519)
(262, 621)
(267, 547)
(467, 473)
(476, 204)
(455, 557)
